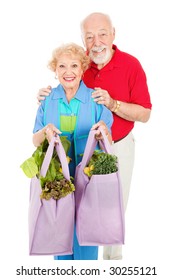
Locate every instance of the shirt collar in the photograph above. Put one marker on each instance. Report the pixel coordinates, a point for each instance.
(59, 92)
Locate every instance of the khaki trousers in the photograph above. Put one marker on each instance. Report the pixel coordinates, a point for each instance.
(125, 151)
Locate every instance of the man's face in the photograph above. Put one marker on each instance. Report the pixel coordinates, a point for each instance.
(98, 36)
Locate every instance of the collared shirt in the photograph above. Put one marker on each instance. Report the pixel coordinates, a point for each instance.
(48, 111)
(125, 80)
(74, 119)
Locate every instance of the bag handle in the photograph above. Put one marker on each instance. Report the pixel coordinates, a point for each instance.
(91, 144)
(55, 142)
(62, 157)
(104, 143)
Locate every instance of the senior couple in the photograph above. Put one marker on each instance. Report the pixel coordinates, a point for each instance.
(104, 88)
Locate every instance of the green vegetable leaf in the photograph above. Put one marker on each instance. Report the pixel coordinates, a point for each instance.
(29, 167)
(53, 185)
(66, 143)
(101, 163)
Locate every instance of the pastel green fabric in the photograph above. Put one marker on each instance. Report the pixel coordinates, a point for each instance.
(68, 115)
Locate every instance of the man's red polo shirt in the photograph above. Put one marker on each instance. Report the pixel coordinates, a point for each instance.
(125, 80)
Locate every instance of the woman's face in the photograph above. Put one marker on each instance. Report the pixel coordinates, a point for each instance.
(69, 71)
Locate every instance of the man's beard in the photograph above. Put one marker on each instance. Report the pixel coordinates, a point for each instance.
(100, 58)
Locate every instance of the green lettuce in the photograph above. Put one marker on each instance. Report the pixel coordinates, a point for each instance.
(101, 163)
(53, 184)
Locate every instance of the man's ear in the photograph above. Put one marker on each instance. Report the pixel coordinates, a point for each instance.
(114, 32)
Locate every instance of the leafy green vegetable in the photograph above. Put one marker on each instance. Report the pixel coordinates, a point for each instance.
(29, 167)
(57, 189)
(101, 163)
(53, 184)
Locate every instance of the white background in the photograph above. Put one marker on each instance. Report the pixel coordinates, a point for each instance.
(29, 31)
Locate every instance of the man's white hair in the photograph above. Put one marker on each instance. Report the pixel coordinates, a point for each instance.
(91, 15)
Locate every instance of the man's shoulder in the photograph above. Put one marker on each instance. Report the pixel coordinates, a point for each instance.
(125, 57)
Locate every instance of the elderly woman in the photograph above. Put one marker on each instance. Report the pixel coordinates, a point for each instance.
(70, 110)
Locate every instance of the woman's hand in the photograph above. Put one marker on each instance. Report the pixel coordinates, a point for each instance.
(43, 92)
(50, 131)
(46, 132)
(98, 134)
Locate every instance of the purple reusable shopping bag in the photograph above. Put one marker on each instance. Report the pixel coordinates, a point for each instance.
(99, 205)
(51, 222)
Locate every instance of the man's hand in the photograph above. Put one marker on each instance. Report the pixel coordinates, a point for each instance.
(102, 96)
(43, 92)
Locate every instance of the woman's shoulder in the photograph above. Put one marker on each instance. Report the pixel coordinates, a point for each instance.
(56, 92)
(87, 89)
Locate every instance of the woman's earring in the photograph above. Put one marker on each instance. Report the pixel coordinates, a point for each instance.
(56, 77)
